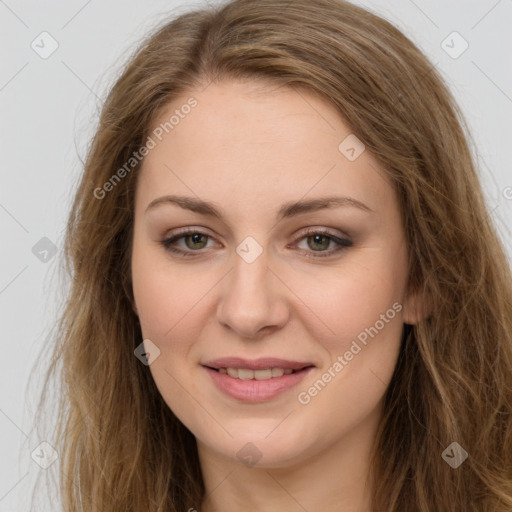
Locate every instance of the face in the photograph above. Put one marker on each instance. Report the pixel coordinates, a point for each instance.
(269, 268)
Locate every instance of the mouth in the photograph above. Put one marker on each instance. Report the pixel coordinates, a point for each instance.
(256, 380)
(264, 374)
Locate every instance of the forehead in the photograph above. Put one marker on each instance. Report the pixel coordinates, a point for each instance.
(244, 139)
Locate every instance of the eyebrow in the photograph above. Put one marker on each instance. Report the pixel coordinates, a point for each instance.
(287, 210)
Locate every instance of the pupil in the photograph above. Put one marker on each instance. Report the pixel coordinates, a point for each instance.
(320, 241)
(195, 239)
(317, 240)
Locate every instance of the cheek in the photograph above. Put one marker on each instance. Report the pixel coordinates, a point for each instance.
(361, 332)
(172, 308)
(350, 304)
(168, 297)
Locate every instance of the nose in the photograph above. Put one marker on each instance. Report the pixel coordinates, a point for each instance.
(253, 301)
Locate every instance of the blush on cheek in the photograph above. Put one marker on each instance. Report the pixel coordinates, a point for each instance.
(362, 324)
(161, 300)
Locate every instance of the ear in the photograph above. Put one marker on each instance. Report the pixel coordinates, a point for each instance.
(417, 307)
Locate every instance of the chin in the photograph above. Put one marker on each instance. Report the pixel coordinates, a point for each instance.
(254, 449)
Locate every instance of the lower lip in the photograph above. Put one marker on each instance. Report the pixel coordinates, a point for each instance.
(256, 390)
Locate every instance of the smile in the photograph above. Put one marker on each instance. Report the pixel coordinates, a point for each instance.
(247, 374)
(256, 385)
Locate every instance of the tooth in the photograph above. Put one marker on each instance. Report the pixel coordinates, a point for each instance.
(245, 374)
(262, 374)
(232, 372)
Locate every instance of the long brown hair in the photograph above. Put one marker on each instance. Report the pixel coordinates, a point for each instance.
(121, 447)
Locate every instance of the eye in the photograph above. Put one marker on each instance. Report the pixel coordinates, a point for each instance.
(323, 242)
(194, 241)
(319, 243)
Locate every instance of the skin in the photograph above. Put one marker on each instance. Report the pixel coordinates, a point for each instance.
(249, 148)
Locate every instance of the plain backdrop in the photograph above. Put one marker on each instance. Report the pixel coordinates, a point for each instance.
(49, 108)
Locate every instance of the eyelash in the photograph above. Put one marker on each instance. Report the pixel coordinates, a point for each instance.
(343, 244)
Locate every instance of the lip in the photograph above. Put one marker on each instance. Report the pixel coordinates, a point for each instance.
(255, 391)
(256, 364)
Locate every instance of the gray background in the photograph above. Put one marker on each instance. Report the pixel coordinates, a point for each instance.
(48, 113)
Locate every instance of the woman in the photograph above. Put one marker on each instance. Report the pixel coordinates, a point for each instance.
(287, 292)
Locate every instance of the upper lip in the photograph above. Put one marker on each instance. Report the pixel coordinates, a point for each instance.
(256, 364)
